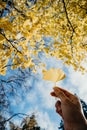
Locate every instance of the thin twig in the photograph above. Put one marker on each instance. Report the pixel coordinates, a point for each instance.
(82, 7)
(19, 11)
(16, 114)
(9, 65)
(10, 43)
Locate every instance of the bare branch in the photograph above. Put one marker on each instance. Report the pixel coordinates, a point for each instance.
(16, 114)
(9, 65)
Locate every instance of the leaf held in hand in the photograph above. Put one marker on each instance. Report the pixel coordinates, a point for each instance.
(53, 74)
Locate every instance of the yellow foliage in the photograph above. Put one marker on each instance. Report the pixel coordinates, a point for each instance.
(27, 24)
(1, 46)
(6, 25)
(53, 74)
(3, 71)
(27, 63)
(64, 21)
(2, 5)
(1, 37)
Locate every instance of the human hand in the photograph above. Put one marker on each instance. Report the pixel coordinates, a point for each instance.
(69, 108)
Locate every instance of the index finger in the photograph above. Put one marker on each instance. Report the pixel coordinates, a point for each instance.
(59, 94)
(71, 97)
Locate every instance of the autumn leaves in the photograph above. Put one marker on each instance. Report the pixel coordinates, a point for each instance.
(53, 75)
(48, 18)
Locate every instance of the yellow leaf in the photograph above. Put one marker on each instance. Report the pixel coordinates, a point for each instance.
(35, 19)
(34, 71)
(27, 24)
(1, 37)
(53, 74)
(3, 71)
(6, 25)
(13, 67)
(1, 46)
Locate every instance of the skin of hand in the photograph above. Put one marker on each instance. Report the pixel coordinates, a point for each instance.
(69, 108)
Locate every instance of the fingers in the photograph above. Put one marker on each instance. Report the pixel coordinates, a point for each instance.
(58, 93)
(67, 93)
(74, 99)
(53, 94)
(58, 108)
(64, 95)
(58, 104)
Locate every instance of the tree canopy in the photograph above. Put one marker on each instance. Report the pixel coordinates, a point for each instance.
(25, 25)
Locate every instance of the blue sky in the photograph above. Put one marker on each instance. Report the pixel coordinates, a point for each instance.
(39, 101)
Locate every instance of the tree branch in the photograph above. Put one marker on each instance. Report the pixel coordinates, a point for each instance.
(10, 42)
(82, 7)
(70, 24)
(9, 65)
(16, 114)
(19, 11)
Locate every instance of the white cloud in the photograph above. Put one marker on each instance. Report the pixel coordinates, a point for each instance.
(43, 90)
(40, 99)
(80, 82)
(19, 35)
(31, 97)
(44, 121)
(17, 121)
(52, 62)
(44, 118)
(75, 82)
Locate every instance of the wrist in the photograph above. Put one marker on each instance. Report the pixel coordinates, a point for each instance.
(80, 124)
(75, 126)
